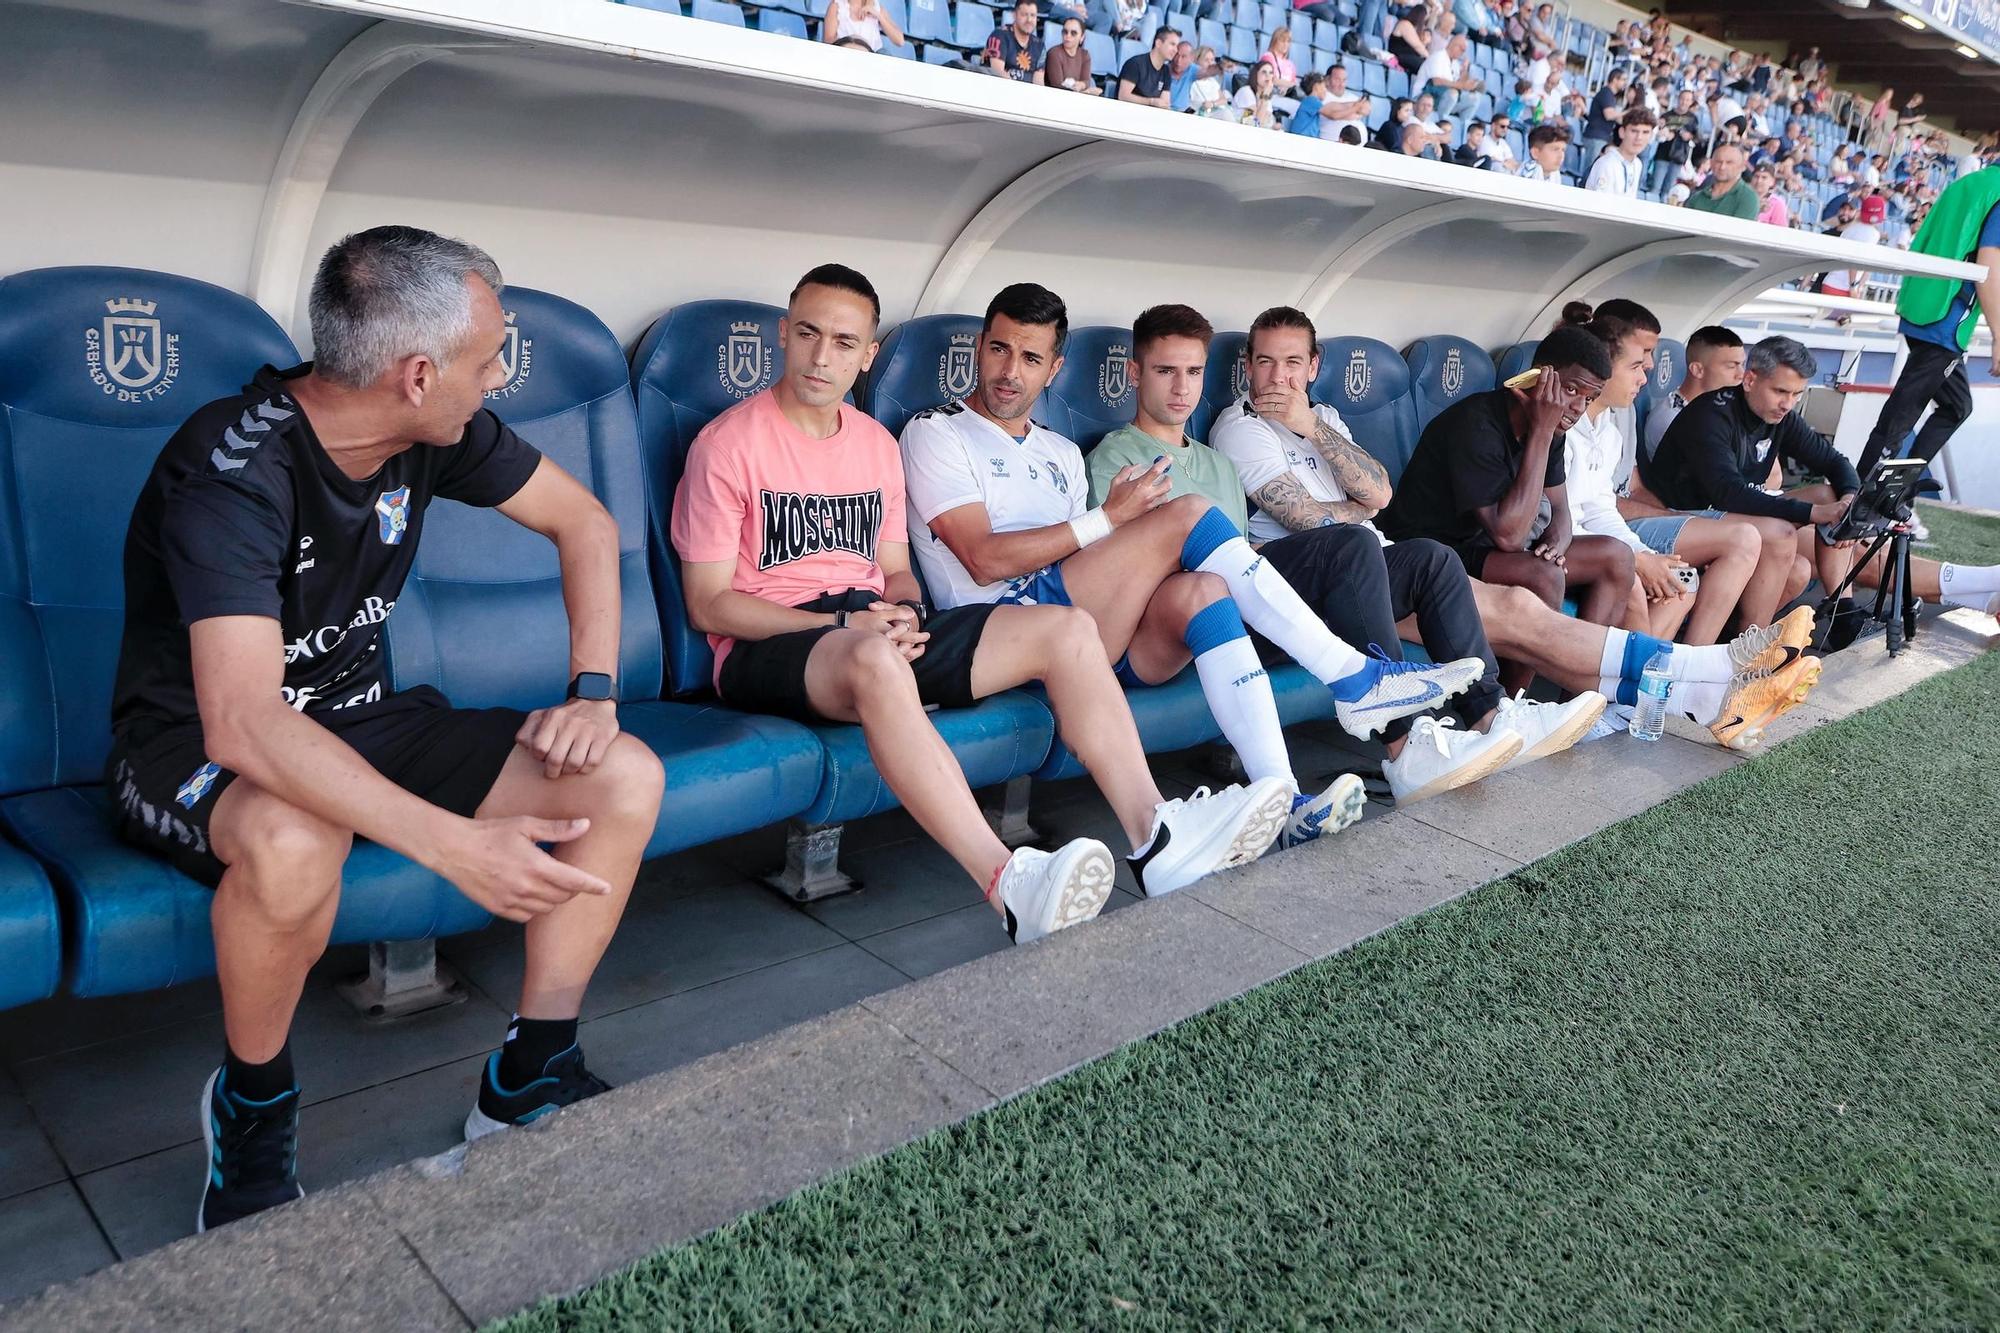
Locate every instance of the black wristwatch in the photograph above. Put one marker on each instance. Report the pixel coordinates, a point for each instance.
(840, 618)
(593, 685)
(923, 612)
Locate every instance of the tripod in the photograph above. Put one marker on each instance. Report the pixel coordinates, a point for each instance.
(1895, 601)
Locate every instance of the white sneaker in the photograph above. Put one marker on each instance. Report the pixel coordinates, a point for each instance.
(1438, 756)
(1044, 892)
(1208, 832)
(1397, 689)
(1329, 812)
(1615, 721)
(1547, 729)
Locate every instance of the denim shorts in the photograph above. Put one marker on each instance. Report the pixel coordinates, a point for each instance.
(1662, 531)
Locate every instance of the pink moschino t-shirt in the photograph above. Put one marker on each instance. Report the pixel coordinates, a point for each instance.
(801, 517)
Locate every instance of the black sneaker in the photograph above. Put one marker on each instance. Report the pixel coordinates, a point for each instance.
(253, 1154)
(564, 1080)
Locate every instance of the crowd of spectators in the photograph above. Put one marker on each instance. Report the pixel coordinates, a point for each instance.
(1639, 113)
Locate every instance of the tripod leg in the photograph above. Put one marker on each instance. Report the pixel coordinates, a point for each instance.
(1910, 598)
(1895, 586)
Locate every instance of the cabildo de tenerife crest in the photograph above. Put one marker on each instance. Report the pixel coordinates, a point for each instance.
(1114, 377)
(743, 361)
(1356, 383)
(958, 370)
(129, 354)
(1452, 376)
(517, 358)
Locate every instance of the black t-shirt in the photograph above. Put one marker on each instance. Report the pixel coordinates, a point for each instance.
(1145, 79)
(1467, 459)
(244, 514)
(1598, 125)
(1717, 454)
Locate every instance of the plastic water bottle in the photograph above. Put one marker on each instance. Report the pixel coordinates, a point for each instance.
(1649, 719)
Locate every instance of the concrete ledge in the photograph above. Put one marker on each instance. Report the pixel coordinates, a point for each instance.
(474, 1234)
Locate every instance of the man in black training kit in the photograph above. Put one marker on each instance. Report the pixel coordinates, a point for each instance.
(255, 733)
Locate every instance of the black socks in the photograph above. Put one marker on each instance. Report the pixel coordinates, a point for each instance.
(258, 1083)
(531, 1043)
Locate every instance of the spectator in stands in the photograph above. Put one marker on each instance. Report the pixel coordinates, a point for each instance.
(1576, 114)
(1477, 23)
(1390, 135)
(1016, 52)
(1726, 192)
(1144, 77)
(1068, 66)
(1340, 107)
(1416, 141)
(856, 44)
(1607, 111)
(1770, 206)
(1279, 57)
(1475, 151)
(871, 652)
(1451, 82)
(1305, 119)
(1120, 18)
(863, 20)
(1181, 74)
(1486, 479)
(1500, 148)
(256, 733)
(1675, 147)
(1523, 105)
(1850, 197)
(1206, 96)
(1716, 458)
(1714, 361)
(1542, 27)
(1618, 171)
(1254, 100)
(1371, 29)
(1410, 39)
(1547, 146)
(1167, 580)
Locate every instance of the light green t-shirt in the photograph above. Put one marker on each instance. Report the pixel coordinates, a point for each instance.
(1197, 470)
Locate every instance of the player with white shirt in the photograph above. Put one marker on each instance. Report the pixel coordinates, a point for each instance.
(1002, 514)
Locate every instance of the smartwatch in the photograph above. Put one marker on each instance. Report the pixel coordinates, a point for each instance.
(923, 612)
(593, 685)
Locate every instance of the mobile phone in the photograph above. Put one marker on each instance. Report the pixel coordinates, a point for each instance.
(1527, 379)
(1689, 576)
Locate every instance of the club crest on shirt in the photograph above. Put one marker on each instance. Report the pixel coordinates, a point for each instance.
(392, 512)
(957, 370)
(190, 793)
(1763, 448)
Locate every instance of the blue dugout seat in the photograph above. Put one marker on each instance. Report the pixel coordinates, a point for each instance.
(30, 930)
(1369, 385)
(1094, 392)
(1444, 369)
(481, 579)
(1225, 380)
(103, 364)
(1669, 369)
(682, 371)
(1511, 361)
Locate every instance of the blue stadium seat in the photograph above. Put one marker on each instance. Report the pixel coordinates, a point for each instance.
(719, 11)
(897, 12)
(1302, 28)
(1127, 48)
(939, 54)
(682, 371)
(1243, 45)
(1511, 361)
(1326, 34)
(1444, 369)
(1367, 383)
(1094, 393)
(907, 51)
(662, 6)
(1669, 369)
(30, 930)
(1209, 32)
(1271, 17)
(1399, 83)
(1245, 14)
(974, 26)
(155, 347)
(1222, 383)
(930, 21)
(1374, 80)
(782, 22)
(923, 362)
(1103, 54)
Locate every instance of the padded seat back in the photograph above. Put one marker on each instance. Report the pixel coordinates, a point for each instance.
(98, 367)
(1444, 369)
(1095, 391)
(1226, 379)
(1669, 369)
(1511, 361)
(1367, 383)
(697, 361)
(922, 362)
(482, 617)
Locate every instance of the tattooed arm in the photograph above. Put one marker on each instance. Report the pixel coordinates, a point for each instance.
(1364, 480)
(1284, 498)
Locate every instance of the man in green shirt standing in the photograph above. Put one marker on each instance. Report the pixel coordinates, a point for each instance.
(1727, 193)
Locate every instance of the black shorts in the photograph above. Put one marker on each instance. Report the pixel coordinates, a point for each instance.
(769, 675)
(164, 788)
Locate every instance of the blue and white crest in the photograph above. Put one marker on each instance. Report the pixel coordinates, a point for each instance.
(392, 511)
(196, 787)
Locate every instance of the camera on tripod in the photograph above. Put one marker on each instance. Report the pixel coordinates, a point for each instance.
(1883, 502)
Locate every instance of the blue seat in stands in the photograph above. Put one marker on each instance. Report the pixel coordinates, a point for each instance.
(1326, 35)
(696, 361)
(718, 11)
(1209, 32)
(1225, 380)
(1103, 54)
(1243, 45)
(1444, 369)
(663, 6)
(1093, 394)
(1302, 28)
(482, 580)
(975, 25)
(930, 21)
(907, 51)
(782, 22)
(1367, 383)
(1511, 361)
(153, 348)
(1669, 369)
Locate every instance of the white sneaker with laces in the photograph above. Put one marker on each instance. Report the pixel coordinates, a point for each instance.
(1044, 892)
(1547, 729)
(1211, 831)
(1329, 812)
(1438, 756)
